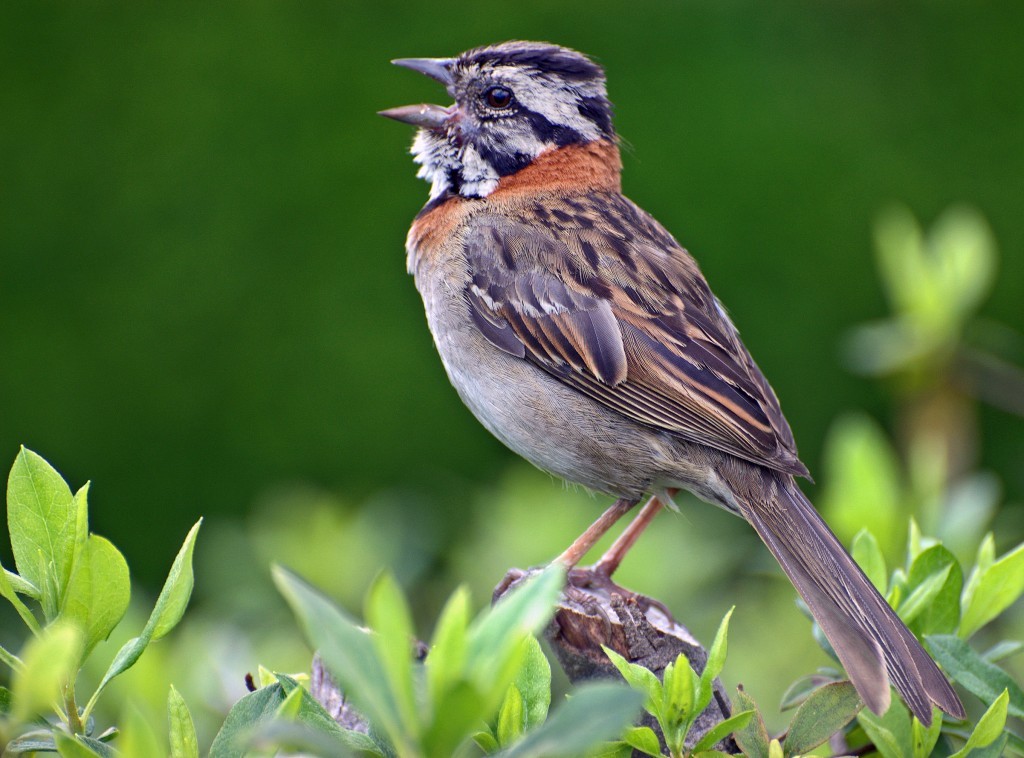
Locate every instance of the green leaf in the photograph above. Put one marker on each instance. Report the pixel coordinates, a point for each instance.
(985, 558)
(46, 741)
(890, 733)
(465, 682)
(1003, 649)
(644, 739)
(98, 593)
(866, 551)
(753, 738)
(181, 728)
(612, 750)
(167, 612)
(679, 691)
(639, 678)
(1014, 744)
(459, 713)
(300, 706)
(494, 642)
(986, 552)
(899, 245)
(289, 707)
(126, 657)
(486, 742)
(990, 726)
(387, 613)
(35, 741)
(254, 708)
(715, 664)
(69, 746)
(925, 737)
(448, 649)
(534, 683)
(802, 688)
(594, 714)
(995, 749)
(963, 253)
(723, 729)
(349, 654)
(922, 595)
(935, 582)
(41, 517)
(174, 596)
(827, 710)
(978, 676)
(511, 718)
(50, 661)
(719, 649)
(80, 509)
(915, 542)
(43, 741)
(282, 737)
(997, 587)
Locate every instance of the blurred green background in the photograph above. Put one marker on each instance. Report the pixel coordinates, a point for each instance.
(203, 300)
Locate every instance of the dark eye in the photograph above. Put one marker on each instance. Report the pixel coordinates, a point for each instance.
(498, 97)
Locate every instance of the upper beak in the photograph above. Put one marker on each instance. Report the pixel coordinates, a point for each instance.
(439, 69)
(426, 115)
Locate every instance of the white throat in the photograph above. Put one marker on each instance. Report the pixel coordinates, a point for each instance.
(448, 168)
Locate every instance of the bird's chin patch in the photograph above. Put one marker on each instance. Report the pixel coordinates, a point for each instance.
(437, 158)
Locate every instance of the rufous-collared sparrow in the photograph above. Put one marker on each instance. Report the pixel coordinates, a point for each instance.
(584, 337)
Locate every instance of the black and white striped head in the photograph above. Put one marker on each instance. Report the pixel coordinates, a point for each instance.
(513, 101)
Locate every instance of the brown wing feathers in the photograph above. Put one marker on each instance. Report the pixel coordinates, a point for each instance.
(626, 319)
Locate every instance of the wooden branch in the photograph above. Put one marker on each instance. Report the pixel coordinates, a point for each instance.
(594, 611)
(327, 692)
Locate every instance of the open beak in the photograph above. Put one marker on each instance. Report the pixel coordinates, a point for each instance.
(425, 116)
(439, 69)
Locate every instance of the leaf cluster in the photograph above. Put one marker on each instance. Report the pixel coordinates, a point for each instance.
(484, 685)
(677, 699)
(934, 282)
(78, 586)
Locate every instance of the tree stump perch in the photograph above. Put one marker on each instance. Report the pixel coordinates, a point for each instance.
(592, 611)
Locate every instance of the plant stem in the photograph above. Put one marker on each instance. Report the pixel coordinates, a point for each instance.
(74, 722)
(10, 659)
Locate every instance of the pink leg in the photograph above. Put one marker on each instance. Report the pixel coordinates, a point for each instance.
(613, 557)
(594, 532)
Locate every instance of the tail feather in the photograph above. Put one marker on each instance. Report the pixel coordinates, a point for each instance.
(874, 646)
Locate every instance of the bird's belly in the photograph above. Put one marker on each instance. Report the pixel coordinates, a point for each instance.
(546, 422)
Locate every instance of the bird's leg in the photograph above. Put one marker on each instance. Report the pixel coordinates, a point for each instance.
(610, 561)
(574, 554)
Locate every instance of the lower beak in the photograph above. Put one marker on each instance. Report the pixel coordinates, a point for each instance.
(426, 116)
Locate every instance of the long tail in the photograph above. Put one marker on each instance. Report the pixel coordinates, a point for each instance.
(872, 643)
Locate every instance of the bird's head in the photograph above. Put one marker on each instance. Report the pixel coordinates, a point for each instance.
(513, 101)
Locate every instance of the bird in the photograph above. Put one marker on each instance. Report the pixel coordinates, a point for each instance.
(584, 337)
